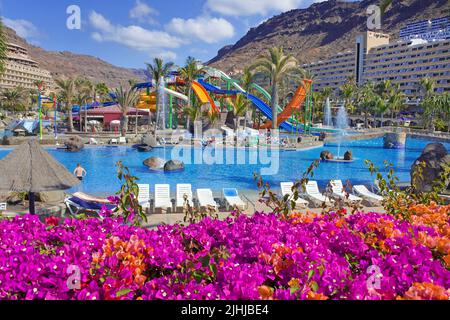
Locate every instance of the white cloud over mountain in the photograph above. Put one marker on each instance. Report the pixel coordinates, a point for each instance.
(132, 36)
(209, 30)
(24, 28)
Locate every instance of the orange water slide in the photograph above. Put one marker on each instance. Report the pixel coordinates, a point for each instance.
(203, 95)
(295, 104)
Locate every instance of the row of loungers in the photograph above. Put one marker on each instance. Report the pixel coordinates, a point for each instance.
(313, 194)
(162, 200)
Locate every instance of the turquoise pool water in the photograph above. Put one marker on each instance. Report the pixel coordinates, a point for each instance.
(101, 179)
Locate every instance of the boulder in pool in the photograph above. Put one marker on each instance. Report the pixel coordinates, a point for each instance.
(348, 155)
(173, 165)
(436, 158)
(326, 155)
(154, 163)
(74, 144)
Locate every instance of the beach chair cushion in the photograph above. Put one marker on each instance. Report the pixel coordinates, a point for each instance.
(205, 197)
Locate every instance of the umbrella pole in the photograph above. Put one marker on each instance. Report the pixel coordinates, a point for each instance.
(31, 200)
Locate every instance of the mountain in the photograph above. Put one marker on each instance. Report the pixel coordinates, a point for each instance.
(322, 30)
(68, 64)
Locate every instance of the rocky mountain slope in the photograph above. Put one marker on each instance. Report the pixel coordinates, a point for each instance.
(68, 64)
(322, 30)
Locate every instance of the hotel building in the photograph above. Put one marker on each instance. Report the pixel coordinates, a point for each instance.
(423, 50)
(21, 70)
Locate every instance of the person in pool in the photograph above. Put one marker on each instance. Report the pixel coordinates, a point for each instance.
(79, 172)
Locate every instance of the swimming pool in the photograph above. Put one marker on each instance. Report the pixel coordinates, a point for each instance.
(101, 179)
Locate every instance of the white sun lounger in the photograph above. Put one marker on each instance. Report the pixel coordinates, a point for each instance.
(206, 199)
(286, 189)
(338, 191)
(144, 195)
(122, 140)
(184, 189)
(162, 197)
(232, 199)
(313, 193)
(371, 197)
(2, 206)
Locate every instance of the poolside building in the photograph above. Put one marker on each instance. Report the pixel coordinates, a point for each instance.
(112, 114)
(404, 61)
(21, 70)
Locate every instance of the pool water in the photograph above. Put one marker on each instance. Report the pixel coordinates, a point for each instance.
(102, 179)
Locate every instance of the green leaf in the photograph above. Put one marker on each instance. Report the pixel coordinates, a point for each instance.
(314, 286)
(310, 274)
(213, 269)
(123, 292)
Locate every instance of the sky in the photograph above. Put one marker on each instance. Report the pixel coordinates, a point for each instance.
(128, 33)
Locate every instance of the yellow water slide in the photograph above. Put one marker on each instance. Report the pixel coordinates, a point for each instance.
(147, 101)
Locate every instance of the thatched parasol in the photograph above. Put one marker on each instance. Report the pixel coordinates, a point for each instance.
(29, 168)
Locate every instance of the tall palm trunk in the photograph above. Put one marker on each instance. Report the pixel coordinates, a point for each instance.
(70, 119)
(124, 124)
(274, 103)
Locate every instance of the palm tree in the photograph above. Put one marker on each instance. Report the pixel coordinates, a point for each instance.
(67, 91)
(347, 93)
(426, 89)
(241, 105)
(189, 73)
(13, 99)
(396, 100)
(247, 79)
(276, 65)
(125, 98)
(157, 71)
(102, 91)
(368, 101)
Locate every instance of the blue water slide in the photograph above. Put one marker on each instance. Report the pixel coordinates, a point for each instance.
(258, 103)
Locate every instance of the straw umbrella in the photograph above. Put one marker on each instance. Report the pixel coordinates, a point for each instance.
(29, 168)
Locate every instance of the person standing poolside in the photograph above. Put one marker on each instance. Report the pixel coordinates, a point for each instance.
(79, 172)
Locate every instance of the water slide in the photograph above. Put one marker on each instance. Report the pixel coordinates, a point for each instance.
(146, 99)
(295, 104)
(258, 103)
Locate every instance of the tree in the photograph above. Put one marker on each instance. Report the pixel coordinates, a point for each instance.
(67, 92)
(102, 91)
(3, 48)
(14, 99)
(396, 100)
(347, 92)
(189, 73)
(241, 105)
(426, 89)
(367, 101)
(158, 70)
(125, 98)
(276, 65)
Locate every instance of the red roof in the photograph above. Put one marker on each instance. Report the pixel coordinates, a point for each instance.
(114, 110)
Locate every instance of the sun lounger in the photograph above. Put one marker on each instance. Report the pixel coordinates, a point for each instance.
(286, 189)
(369, 196)
(2, 206)
(338, 191)
(206, 199)
(232, 199)
(184, 189)
(122, 140)
(144, 195)
(312, 192)
(113, 141)
(162, 197)
(80, 202)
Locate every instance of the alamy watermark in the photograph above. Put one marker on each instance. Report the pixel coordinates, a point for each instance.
(73, 21)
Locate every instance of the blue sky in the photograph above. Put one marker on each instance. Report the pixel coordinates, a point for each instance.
(128, 33)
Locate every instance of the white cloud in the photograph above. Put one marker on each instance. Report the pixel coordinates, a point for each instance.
(143, 12)
(131, 36)
(209, 30)
(165, 55)
(252, 7)
(23, 28)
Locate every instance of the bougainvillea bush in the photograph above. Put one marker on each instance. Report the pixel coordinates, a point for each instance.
(305, 256)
